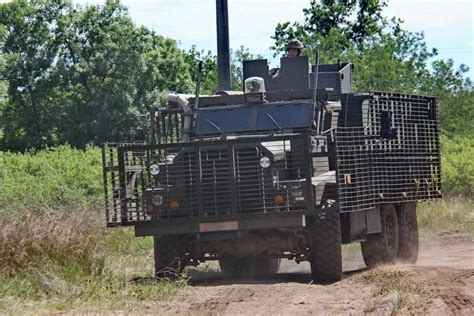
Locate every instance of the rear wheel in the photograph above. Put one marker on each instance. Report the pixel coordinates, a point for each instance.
(168, 256)
(248, 266)
(383, 247)
(408, 232)
(326, 252)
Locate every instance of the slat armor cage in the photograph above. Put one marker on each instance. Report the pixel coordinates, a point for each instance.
(378, 148)
(375, 168)
(207, 179)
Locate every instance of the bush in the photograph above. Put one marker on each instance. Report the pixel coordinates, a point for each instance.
(55, 178)
(458, 165)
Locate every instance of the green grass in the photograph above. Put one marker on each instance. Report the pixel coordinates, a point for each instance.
(450, 215)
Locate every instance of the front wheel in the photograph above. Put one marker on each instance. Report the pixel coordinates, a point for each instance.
(382, 247)
(326, 251)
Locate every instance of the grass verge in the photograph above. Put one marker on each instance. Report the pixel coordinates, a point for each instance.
(53, 262)
(447, 218)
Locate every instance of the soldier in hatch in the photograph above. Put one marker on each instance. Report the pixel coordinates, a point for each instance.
(293, 49)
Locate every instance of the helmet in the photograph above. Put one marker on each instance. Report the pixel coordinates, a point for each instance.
(295, 44)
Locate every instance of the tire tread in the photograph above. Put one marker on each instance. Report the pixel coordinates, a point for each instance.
(326, 262)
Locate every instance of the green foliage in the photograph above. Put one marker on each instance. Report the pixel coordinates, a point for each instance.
(458, 165)
(80, 75)
(209, 68)
(55, 178)
(322, 17)
(456, 112)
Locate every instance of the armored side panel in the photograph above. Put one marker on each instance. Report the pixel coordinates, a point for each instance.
(336, 76)
(295, 74)
(389, 152)
(292, 75)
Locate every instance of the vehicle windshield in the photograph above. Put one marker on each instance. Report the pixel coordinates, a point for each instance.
(249, 118)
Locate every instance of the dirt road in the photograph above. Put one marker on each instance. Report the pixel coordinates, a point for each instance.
(442, 282)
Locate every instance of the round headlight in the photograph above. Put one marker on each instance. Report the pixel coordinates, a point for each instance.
(154, 169)
(264, 162)
(157, 199)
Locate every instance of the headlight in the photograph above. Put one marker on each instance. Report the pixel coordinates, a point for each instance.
(264, 162)
(157, 199)
(154, 169)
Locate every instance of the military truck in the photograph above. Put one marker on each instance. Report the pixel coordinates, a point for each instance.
(272, 173)
(292, 167)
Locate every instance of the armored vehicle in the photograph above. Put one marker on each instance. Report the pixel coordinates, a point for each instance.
(251, 178)
(292, 167)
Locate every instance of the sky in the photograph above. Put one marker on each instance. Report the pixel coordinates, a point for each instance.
(448, 25)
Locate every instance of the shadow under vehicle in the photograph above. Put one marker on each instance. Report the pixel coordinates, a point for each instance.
(291, 168)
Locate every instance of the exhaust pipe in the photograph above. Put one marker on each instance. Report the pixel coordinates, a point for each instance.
(223, 58)
(183, 102)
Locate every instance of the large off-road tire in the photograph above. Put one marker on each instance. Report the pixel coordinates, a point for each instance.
(407, 232)
(248, 266)
(383, 247)
(326, 252)
(168, 255)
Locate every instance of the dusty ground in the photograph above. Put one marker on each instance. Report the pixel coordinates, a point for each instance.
(442, 282)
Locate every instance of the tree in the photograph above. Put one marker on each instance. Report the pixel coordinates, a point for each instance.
(386, 57)
(321, 19)
(209, 68)
(80, 75)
